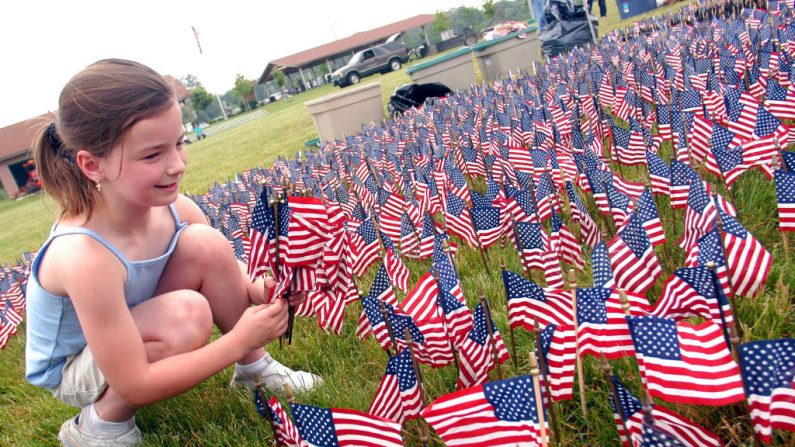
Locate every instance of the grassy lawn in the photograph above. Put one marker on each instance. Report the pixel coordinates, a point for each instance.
(215, 414)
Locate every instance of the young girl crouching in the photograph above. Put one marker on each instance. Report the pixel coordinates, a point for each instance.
(123, 294)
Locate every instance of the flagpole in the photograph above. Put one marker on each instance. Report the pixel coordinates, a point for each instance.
(483, 255)
(492, 339)
(514, 359)
(614, 394)
(388, 324)
(719, 227)
(542, 426)
(572, 277)
(547, 385)
(267, 413)
(418, 373)
(278, 199)
(435, 274)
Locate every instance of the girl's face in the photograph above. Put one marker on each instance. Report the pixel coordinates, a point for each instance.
(146, 166)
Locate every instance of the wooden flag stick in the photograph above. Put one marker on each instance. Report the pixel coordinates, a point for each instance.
(263, 398)
(492, 339)
(514, 359)
(572, 278)
(542, 362)
(388, 324)
(483, 254)
(542, 426)
(420, 385)
(435, 274)
(614, 395)
(719, 226)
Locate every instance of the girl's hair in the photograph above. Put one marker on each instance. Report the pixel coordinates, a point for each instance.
(96, 107)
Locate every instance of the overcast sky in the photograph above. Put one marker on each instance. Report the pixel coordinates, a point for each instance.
(44, 43)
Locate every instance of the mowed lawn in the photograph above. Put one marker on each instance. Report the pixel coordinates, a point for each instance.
(215, 414)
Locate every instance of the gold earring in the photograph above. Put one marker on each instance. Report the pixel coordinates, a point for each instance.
(98, 186)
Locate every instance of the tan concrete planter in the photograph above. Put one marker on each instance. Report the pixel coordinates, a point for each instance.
(344, 113)
(455, 70)
(509, 53)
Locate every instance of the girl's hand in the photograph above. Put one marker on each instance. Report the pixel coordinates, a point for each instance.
(261, 290)
(260, 325)
(296, 298)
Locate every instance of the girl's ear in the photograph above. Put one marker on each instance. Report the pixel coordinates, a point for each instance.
(90, 166)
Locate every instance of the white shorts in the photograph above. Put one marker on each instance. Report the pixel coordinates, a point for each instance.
(82, 382)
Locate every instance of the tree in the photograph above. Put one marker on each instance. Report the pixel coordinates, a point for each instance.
(489, 9)
(280, 79)
(200, 99)
(442, 22)
(190, 81)
(467, 19)
(244, 88)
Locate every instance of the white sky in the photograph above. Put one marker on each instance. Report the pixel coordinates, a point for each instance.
(44, 43)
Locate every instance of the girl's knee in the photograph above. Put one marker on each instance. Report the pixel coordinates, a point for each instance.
(192, 321)
(204, 245)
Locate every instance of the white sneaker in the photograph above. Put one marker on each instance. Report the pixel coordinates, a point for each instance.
(71, 436)
(274, 375)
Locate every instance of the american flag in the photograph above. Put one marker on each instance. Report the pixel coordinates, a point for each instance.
(683, 363)
(781, 100)
(635, 265)
(785, 198)
(682, 175)
(9, 320)
(522, 207)
(263, 237)
(458, 220)
(589, 230)
(409, 237)
(286, 432)
(768, 368)
(699, 215)
(520, 158)
(476, 354)
(534, 247)
(501, 413)
(488, 228)
(458, 317)
(528, 303)
(659, 173)
(398, 396)
(340, 427)
(565, 244)
(747, 260)
(307, 232)
(380, 290)
(691, 292)
(366, 246)
(545, 197)
(602, 328)
(559, 347)
(600, 265)
(646, 210)
(396, 269)
(673, 425)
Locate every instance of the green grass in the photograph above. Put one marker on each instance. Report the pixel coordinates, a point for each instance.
(214, 414)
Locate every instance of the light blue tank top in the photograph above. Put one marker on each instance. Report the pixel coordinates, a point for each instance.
(53, 330)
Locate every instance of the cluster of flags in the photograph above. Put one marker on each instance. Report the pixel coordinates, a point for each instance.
(516, 163)
(13, 279)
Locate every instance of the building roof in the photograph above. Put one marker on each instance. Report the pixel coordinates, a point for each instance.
(348, 43)
(18, 138)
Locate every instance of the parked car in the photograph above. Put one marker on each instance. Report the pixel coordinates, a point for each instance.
(388, 56)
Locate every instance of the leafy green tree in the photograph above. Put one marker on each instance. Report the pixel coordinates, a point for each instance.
(442, 22)
(489, 9)
(190, 81)
(466, 19)
(200, 98)
(243, 87)
(279, 78)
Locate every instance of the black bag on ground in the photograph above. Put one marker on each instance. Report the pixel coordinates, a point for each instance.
(414, 95)
(564, 27)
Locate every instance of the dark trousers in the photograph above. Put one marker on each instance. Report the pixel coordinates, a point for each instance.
(602, 7)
